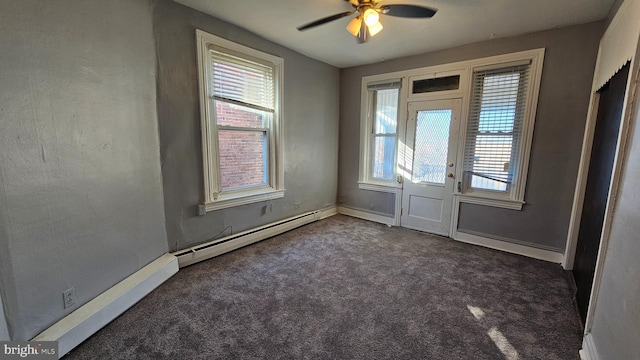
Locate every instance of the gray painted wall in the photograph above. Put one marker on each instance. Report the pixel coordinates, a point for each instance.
(561, 115)
(616, 323)
(4, 331)
(80, 183)
(311, 116)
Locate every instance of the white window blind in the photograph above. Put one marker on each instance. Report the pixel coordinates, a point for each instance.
(495, 126)
(242, 81)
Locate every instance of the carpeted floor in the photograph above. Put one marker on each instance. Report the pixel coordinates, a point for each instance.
(344, 288)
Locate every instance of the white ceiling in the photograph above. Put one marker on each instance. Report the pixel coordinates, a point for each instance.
(456, 23)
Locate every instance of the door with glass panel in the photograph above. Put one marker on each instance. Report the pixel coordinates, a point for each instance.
(429, 160)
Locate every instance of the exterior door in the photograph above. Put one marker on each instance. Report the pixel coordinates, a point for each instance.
(429, 165)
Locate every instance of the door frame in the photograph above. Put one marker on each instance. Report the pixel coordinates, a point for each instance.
(629, 109)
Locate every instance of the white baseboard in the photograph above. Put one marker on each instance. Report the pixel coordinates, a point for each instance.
(328, 212)
(229, 243)
(588, 351)
(391, 221)
(541, 254)
(91, 317)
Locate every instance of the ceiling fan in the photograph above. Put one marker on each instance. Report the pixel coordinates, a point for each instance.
(368, 12)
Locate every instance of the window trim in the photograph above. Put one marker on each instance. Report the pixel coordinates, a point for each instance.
(514, 197)
(365, 180)
(214, 198)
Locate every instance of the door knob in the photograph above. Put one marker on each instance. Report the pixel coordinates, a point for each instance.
(450, 175)
(451, 164)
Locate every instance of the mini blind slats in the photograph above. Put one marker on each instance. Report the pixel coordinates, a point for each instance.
(241, 81)
(495, 125)
(388, 84)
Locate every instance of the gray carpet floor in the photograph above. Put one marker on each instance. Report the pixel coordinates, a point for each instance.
(344, 288)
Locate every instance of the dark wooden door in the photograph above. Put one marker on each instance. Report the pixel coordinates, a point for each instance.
(605, 141)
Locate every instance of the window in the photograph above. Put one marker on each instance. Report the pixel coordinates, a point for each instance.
(380, 133)
(430, 85)
(499, 130)
(240, 94)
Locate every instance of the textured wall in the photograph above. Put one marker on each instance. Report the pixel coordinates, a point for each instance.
(310, 130)
(80, 184)
(616, 328)
(616, 322)
(562, 109)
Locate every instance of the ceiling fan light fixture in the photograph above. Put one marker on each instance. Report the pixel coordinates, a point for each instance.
(371, 17)
(354, 26)
(368, 12)
(375, 28)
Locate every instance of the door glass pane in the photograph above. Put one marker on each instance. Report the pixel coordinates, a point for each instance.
(431, 146)
(243, 158)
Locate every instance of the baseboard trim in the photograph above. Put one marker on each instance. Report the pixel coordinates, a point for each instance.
(540, 254)
(328, 212)
(229, 243)
(588, 351)
(76, 327)
(391, 221)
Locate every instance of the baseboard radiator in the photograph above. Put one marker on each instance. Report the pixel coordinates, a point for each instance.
(223, 245)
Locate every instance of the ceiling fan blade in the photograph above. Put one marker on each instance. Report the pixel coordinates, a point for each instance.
(408, 11)
(325, 20)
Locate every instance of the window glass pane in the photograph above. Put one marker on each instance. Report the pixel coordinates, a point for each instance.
(243, 158)
(436, 84)
(491, 162)
(386, 111)
(241, 116)
(479, 182)
(384, 150)
(431, 146)
(499, 100)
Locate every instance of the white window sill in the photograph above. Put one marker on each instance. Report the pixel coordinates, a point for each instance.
(240, 198)
(391, 187)
(494, 202)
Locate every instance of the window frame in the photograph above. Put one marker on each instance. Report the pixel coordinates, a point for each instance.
(214, 197)
(366, 181)
(513, 198)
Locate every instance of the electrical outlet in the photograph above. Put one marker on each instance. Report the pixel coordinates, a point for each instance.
(69, 297)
